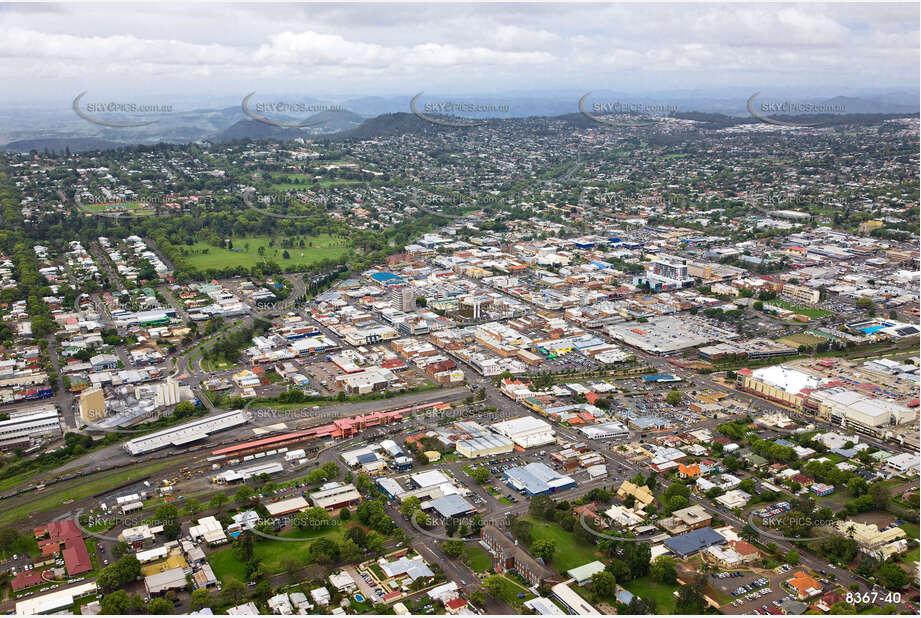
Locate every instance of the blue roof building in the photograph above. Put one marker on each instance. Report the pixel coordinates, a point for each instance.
(688, 544)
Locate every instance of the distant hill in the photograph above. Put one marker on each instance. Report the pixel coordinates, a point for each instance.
(329, 123)
(61, 144)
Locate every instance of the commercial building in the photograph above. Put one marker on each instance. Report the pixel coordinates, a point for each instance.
(684, 520)
(285, 507)
(862, 413)
(486, 445)
(55, 601)
(604, 431)
(686, 545)
(666, 335)
(780, 383)
(159, 583)
(187, 433)
(536, 479)
(25, 427)
(450, 506)
(526, 431)
(403, 299)
(336, 496)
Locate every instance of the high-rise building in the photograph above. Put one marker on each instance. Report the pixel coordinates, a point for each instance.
(403, 299)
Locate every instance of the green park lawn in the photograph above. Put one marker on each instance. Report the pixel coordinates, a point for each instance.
(570, 551)
(801, 309)
(510, 590)
(272, 553)
(911, 530)
(324, 246)
(477, 559)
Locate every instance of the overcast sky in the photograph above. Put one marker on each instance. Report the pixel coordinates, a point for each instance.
(223, 51)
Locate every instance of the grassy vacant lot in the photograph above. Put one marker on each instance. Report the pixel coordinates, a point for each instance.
(570, 551)
(662, 594)
(204, 256)
(802, 309)
(272, 553)
(477, 559)
(76, 489)
(801, 339)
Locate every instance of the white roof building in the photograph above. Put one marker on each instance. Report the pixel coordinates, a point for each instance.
(526, 431)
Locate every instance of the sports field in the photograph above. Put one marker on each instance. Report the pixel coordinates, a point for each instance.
(245, 252)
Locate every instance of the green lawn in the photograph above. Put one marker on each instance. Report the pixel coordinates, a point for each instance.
(477, 559)
(510, 591)
(324, 246)
(272, 553)
(913, 555)
(570, 551)
(910, 529)
(799, 339)
(662, 594)
(802, 309)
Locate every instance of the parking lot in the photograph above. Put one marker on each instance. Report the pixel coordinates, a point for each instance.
(753, 593)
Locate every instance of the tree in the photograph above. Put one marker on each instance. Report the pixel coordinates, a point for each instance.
(243, 494)
(218, 500)
(350, 552)
(673, 398)
(544, 548)
(663, 570)
(892, 576)
(749, 533)
(542, 506)
(453, 549)
(480, 475)
(791, 557)
(192, 506)
(691, 596)
(200, 598)
(879, 492)
(604, 585)
(234, 591)
(409, 506)
(493, 585)
(451, 526)
(115, 603)
(158, 606)
(167, 515)
(842, 608)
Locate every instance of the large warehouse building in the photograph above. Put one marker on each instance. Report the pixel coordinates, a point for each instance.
(785, 385)
(864, 414)
(536, 479)
(187, 433)
(526, 431)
